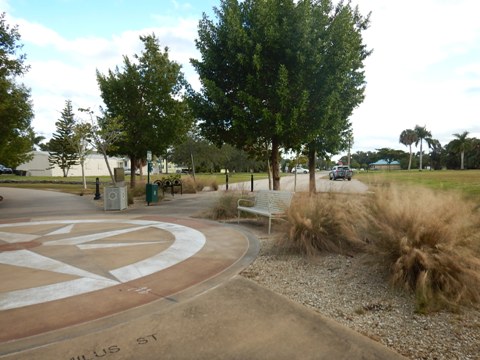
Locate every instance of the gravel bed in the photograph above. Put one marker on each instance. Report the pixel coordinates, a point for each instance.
(355, 292)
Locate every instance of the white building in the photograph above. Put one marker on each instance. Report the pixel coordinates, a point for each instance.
(94, 166)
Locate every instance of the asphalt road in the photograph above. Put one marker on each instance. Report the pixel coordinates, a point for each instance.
(300, 182)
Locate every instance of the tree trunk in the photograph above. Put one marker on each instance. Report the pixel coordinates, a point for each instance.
(275, 164)
(421, 155)
(269, 173)
(312, 185)
(462, 157)
(105, 157)
(193, 166)
(82, 164)
(133, 164)
(410, 159)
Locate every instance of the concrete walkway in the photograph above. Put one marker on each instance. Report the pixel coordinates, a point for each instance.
(167, 287)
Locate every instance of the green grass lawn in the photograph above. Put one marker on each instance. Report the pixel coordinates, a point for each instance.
(232, 177)
(465, 181)
(74, 185)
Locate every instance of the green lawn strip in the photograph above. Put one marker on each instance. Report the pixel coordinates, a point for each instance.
(232, 177)
(465, 181)
(74, 184)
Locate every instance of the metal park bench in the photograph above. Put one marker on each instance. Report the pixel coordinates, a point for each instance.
(271, 204)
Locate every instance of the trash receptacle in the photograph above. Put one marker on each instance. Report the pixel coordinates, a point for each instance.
(152, 193)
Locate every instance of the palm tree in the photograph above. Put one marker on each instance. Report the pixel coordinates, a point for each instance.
(460, 145)
(35, 139)
(407, 138)
(422, 134)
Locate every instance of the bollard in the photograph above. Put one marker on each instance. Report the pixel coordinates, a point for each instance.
(226, 181)
(97, 189)
(251, 183)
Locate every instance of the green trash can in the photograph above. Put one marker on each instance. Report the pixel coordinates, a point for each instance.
(152, 193)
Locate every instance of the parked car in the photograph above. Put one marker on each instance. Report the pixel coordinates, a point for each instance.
(5, 170)
(300, 170)
(340, 172)
(128, 171)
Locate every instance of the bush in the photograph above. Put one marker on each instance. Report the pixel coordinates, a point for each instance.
(188, 185)
(213, 184)
(138, 191)
(191, 186)
(430, 242)
(226, 206)
(323, 222)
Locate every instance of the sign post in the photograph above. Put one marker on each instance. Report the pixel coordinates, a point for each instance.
(149, 161)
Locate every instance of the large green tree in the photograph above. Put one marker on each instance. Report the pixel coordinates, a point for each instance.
(272, 79)
(147, 96)
(15, 104)
(333, 73)
(247, 75)
(62, 150)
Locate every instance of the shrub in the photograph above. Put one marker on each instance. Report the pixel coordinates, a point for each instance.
(138, 191)
(199, 184)
(323, 222)
(430, 242)
(192, 186)
(188, 185)
(213, 184)
(226, 206)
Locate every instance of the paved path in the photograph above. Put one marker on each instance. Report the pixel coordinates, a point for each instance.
(146, 283)
(300, 183)
(68, 267)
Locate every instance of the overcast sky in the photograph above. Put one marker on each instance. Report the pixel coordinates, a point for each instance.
(424, 69)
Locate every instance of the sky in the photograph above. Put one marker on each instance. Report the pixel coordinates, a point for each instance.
(424, 69)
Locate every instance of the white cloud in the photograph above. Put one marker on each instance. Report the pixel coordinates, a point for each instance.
(38, 34)
(68, 71)
(423, 70)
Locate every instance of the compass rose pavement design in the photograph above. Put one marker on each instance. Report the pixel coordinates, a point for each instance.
(55, 273)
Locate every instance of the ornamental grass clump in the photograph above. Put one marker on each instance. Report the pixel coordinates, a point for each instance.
(430, 241)
(192, 186)
(324, 223)
(226, 206)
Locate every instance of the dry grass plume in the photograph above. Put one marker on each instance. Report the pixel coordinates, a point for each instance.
(430, 242)
(323, 223)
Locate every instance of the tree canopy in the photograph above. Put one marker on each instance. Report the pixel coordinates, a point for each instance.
(206, 157)
(279, 74)
(147, 98)
(16, 110)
